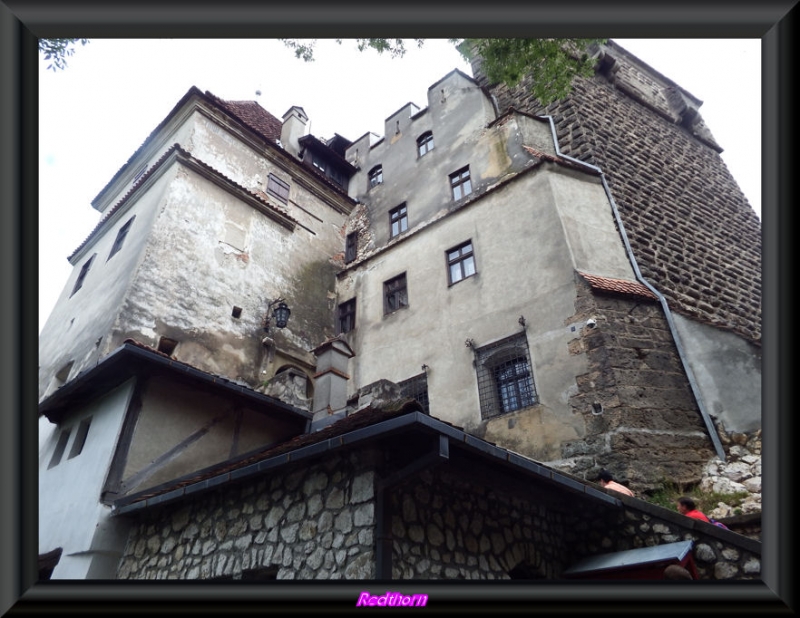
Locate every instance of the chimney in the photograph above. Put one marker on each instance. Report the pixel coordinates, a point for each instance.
(293, 128)
(330, 381)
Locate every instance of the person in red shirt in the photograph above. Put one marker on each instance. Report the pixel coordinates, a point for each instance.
(686, 506)
(607, 482)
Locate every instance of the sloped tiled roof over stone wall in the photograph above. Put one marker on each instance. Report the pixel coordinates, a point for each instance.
(694, 235)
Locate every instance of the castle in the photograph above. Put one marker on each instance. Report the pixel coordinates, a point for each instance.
(287, 356)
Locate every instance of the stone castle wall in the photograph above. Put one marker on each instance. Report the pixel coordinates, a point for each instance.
(694, 235)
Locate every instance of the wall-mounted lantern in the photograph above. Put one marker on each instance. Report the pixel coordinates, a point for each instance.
(279, 313)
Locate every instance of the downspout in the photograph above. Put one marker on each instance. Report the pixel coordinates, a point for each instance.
(383, 514)
(712, 431)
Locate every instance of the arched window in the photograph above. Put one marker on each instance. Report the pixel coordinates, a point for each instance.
(505, 378)
(375, 176)
(425, 143)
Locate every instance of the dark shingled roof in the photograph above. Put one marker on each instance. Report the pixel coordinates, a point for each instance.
(253, 115)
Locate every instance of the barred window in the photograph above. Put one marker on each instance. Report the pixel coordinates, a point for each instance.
(346, 319)
(460, 262)
(417, 388)
(395, 294)
(505, 379)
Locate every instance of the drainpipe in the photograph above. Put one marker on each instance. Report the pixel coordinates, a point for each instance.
(383, 514)
(712, 431)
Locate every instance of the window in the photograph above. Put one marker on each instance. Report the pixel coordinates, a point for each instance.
(318, 163)
(351, 247)
(375, 176)
(63, 437)
(505, 381)
(123, 232)
(398, 218)
(80, 438)
(424, 143)
(417, 388)
(460, 183)
(346, 319)
(167, 346)
(84, 271)
(278, 188)
(460, 262)
(395, 294)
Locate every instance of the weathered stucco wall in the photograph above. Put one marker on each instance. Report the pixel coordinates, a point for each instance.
(77, 329)
(70, 514)
(180, 429)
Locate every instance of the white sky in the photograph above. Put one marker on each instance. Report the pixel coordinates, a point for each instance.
(97, 112)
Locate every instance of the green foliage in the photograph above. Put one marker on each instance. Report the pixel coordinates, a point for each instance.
(552, 64)
(667, 496)
(58, 50)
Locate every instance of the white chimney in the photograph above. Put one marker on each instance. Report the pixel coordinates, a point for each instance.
(294, 126)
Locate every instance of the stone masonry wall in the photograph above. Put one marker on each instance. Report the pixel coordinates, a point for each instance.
(649, 428)
(694, 235)
(313, 522)
(446, 527)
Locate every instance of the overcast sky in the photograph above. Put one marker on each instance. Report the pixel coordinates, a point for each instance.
(97, 112)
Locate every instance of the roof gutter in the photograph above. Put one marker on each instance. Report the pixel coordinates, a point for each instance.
(712, 430)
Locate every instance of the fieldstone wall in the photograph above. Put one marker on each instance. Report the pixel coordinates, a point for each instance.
(445, 527)
(311, 522)
(648, 428)
(452, 522)
(694, 235)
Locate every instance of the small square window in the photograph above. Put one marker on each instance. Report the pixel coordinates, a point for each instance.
(346, 319)
(118, 242)
(278, 188)
(395, 294)
(351, 247)
(375, 176)
(167, 346)
(424, 143)
(82, 276)
(460, 262)
(398, 220)
(460, 183)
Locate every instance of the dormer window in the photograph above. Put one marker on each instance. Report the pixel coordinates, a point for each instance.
(375, 176)
(424, 143)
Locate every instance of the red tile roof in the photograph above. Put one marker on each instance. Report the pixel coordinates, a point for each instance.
(253, 115)
(618, 286)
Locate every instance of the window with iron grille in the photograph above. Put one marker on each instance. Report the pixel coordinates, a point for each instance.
(120, 239)
(375, 176)
(460, 262)
(346, 318)
(417, 388)
(460, 183)
(84, 271)
(351, 247)
(505, 379)
(395, 294)
(424, 143)
(278, 188)
(398, 218)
